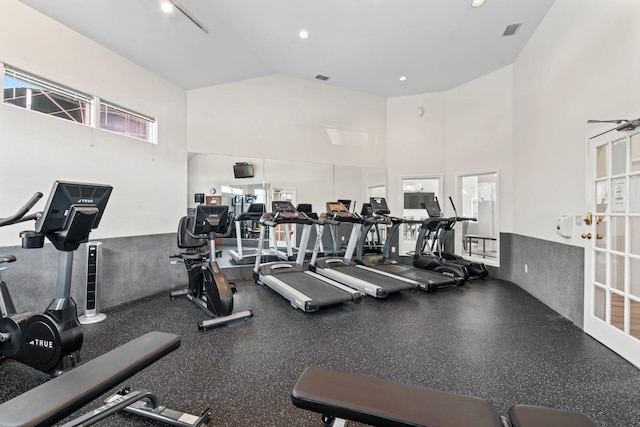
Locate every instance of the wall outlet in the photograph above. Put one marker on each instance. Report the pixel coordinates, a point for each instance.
(393, 249)
(526, 268)
(342, 238)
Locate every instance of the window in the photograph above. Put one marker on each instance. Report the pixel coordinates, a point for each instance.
(478, 198)
(34, 93)
(126, 122)
(37, 94)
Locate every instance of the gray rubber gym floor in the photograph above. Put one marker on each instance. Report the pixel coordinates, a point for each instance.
(488, 339)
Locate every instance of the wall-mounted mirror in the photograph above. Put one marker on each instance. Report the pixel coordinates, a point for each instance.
(215, 177)
(227, 180)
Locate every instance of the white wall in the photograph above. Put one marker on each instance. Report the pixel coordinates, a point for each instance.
(479, 136)
(464, 130)
(415, 144)
(582, 63)
(284, 118)
(150, 181)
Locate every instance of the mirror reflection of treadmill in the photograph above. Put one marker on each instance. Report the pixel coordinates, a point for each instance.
(243, 254)
(304, 289)
(428, 280)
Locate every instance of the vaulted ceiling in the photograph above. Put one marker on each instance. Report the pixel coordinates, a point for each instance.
(362, 45)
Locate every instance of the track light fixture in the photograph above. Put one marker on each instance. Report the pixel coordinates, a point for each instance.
(167, 7)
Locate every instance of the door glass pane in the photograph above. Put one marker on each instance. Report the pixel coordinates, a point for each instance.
(601, 230)
(635, 153)
(634, 235)
(619, 157)
(617, 311)
(617, 272)
(600, 267)
(634, 307)
(634, 194)
(618, 194)
(634, 277)
(617, 233)
(601, 162)
(599, 303)
(602, 196)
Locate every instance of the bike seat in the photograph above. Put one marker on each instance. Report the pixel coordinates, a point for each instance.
(7, 258)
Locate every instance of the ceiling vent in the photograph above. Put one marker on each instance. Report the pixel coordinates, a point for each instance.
(321, 77)
(511, 29)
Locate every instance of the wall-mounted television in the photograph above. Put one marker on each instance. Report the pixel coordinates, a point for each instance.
(243, 170)
(417, 200)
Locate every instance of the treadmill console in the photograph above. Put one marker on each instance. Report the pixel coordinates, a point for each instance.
(366, 210)
(379, 206)
(339, 212)
(333, 207)
(283, 211)
(210, 218)
(433, 209)
(282, 206)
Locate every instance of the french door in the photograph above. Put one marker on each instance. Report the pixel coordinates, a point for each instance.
(612, 255)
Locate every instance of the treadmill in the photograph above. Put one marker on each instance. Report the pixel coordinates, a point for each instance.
(305, 290)
(368, 280)
(242, 255)
(427, 280)
(290, 253)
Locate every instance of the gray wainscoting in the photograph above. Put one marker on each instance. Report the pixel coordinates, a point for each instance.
(137, 266)
(133, 267)
(555, 272)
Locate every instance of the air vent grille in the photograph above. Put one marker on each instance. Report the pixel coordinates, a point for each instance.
(511, 29)
(321, 77)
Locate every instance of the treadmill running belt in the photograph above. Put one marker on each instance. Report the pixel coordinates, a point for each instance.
(387, 283)
(320, 292)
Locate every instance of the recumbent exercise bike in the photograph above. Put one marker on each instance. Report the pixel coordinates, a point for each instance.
(208, 287)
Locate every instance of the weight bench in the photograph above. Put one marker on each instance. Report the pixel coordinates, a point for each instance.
(65, 394)
(341, 396)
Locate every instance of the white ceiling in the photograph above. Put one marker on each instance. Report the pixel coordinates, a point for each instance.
(363, 45)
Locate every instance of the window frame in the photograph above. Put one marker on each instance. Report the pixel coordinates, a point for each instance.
(153, 123)
(93, 102)
(57, 88)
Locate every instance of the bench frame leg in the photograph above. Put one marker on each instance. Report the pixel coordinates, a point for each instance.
(143, 403)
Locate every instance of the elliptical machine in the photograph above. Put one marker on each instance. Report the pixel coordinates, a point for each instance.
(477, 270)
(51, 341)
(431, 259)
(208, 287)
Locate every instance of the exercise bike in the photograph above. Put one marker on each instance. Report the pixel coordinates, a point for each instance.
(50, 341)
(208, 287)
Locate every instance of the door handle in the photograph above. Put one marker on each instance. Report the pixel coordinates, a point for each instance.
(586, 235)
(599, 236)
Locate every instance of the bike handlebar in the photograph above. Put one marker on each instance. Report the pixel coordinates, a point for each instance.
(20, 215)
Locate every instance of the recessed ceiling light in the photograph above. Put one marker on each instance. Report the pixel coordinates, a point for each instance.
(477, 3)
(167, 7)
(403, 78)
(303, 34)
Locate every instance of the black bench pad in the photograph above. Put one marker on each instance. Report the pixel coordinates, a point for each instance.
(386, 403)
(63, 395)
(536, 416)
